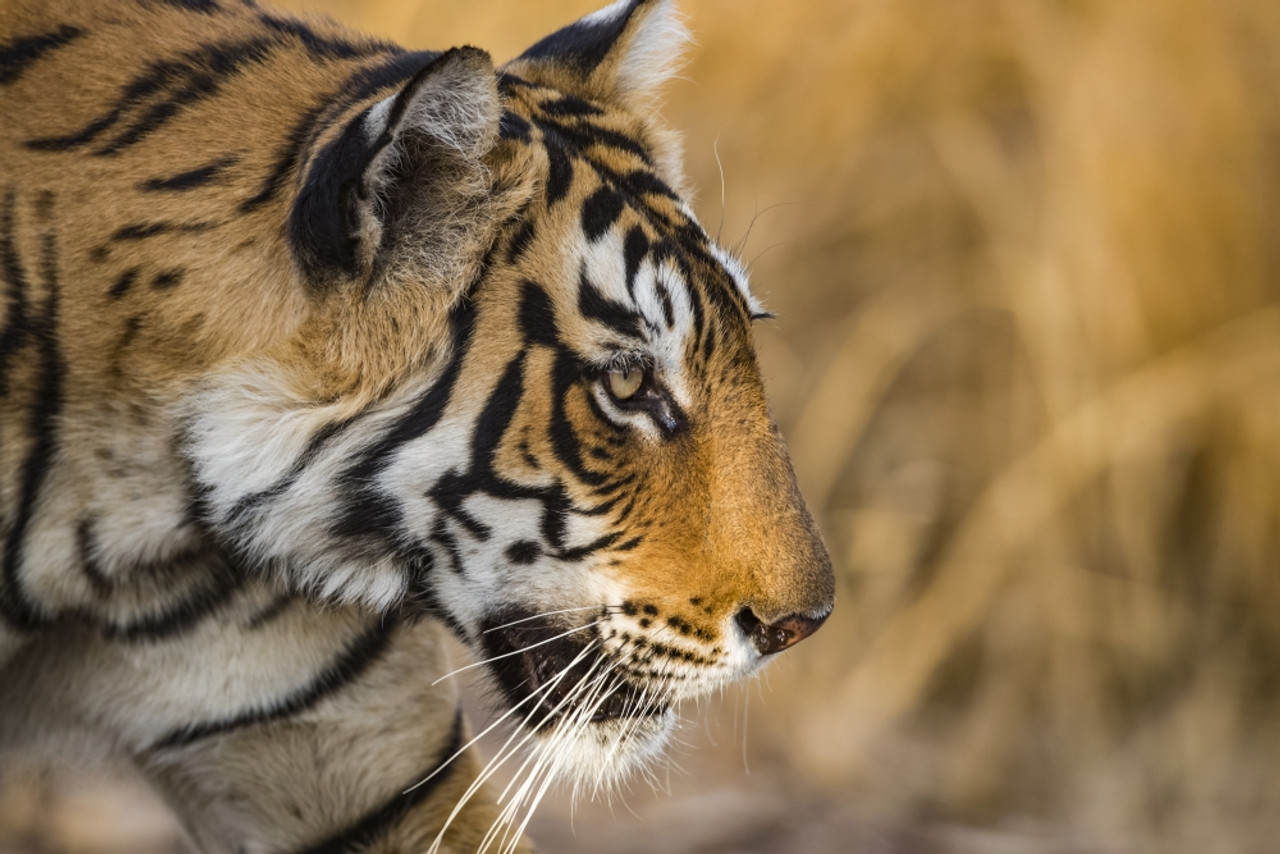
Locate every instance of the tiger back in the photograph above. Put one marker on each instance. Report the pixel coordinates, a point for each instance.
(313, 350)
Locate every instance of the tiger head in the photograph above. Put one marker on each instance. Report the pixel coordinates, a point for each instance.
(523, 396)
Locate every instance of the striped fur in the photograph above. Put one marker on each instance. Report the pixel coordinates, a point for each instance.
(314, 350)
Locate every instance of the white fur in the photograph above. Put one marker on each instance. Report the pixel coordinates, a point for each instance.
(655, 53)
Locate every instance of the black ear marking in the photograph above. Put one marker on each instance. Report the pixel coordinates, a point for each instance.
(587, 42)
(450, 106)
(322, 225)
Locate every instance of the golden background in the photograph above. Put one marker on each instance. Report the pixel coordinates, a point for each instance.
(1025, 256)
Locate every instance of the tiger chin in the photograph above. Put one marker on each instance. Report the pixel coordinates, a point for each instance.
(314, 351)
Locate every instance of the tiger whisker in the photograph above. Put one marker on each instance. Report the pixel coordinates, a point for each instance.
(498, 721)
(505, 752)
(539, 760)
(547, 614)
(519, 651)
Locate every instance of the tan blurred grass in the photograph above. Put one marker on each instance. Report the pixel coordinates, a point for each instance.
(1028, 361)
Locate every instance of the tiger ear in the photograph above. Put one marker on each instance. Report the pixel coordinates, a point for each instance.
(407, 157)
(622, 53)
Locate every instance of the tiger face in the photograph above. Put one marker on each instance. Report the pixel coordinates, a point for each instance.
(522, 397)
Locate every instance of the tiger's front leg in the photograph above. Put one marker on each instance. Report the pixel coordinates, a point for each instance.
(273, 726)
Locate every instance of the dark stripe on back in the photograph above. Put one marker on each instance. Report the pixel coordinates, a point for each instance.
(324, 47)
(363, 833)
(170, 84)
(124, 283)
(207, 7)
(143, 230)
(167, 279)
(21, 53)
(190, 179)
(346, 668)
(13, 337)
(42, 423)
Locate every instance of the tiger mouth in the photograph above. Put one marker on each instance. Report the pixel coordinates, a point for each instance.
(558, 676)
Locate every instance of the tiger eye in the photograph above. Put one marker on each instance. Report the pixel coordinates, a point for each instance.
(624, 383)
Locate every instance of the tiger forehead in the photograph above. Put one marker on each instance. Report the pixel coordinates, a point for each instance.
(585, 141)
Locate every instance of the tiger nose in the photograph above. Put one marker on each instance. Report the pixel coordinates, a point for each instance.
(769, 638)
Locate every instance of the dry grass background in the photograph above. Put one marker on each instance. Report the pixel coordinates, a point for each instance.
(1026, 262)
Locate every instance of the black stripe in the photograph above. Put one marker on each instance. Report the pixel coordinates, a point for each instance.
(42, 417)
(427, 412)
(322, 223)
(323, 47)
(520, 242)
(101, 585)
(642, 182)
(220, 584)
(13, 337)
(361, 834)
(18, 55)
(537, 316)
(189, 77)
(190, 179)
(348, 667)
(584, 135)
(207, 7)
(565, 373)
(271, 612)
(559, 172)
(568, 105)
(202, 77)
(286, 159)
(442, 536)
(143, 230)
(579, 553)
(167, 279)
(253, 500)
(453, 489)
(599, 213)
(513, 126)
(634, 249)
(594, 305)
(124, 283)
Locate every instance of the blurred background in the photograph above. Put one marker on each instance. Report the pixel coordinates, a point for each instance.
(1025, 261)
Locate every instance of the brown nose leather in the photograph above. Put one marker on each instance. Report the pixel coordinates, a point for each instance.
(775, 637)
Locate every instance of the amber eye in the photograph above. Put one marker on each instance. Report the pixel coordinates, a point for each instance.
(623, 383)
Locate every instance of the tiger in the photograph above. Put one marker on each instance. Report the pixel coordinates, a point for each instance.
(319, 355)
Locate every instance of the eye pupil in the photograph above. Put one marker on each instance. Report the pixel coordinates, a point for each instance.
(625, 382)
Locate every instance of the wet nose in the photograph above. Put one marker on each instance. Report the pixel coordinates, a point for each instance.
(769, 638)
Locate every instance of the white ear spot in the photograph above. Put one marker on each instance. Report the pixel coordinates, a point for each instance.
(655, 53)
